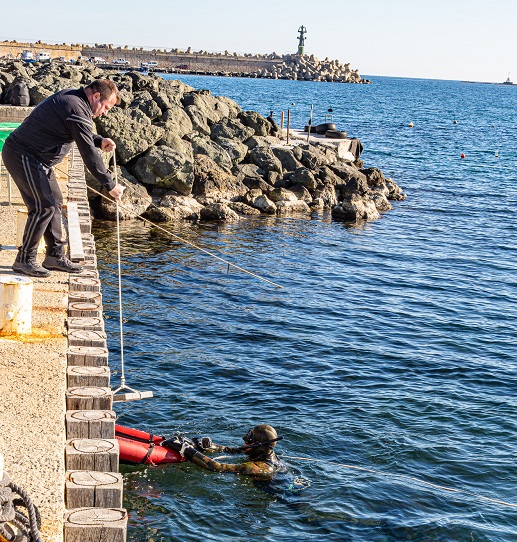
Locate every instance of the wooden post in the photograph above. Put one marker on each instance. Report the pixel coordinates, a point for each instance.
(106, 524)
(90, 424)
(85, 337)
(15, 304)
(282, 121)
(88, 377)
(92, 454)
(288, 124)
(91, 356)
(85, 323)
(93, 489)
(88, 398)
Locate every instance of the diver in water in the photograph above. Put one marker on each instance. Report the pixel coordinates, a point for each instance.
(259, 442)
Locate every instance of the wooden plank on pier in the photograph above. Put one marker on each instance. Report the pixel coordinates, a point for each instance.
(86, 337)
(75, 242)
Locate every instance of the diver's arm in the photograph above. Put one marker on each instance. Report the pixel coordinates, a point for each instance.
(205, 462)
(205, 445)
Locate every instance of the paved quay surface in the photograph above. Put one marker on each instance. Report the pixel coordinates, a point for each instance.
(33, 384)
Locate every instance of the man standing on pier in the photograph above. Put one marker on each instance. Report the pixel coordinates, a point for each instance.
(34, 148)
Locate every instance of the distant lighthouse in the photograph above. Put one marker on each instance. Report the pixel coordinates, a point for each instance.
(301, 40)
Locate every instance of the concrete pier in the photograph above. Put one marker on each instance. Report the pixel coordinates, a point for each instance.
(57, 429)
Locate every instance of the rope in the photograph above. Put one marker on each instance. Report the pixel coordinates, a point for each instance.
(15, 526)
(177, 237)
(123, 375)
(406, 477)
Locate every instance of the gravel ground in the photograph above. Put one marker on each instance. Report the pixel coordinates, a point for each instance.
(32, 388)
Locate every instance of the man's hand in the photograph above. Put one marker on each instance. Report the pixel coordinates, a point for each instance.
(203, 444)
(117, 192)
(108, 145)
(181, 445)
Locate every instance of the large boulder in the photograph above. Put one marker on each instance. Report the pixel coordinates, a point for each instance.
(203, 145)
(201, 103)
(353, 181)
(255, 198)
(229, 128)
(132, 138)
(213, 183)
(135, 199)
(287, 158)
(254, 120)
(305, 177)
(243, 209)
(218, 211)
(311, 157)
(292, 207)
(176, 120)
(236, 150)
(233, 107)
(144, 101)
(355, 209)
(264, 158)
(327, 195)
(281, 194)
(171, 207)
(199, 119)
(166, 168)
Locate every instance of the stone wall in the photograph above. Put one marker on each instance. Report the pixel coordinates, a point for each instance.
(15, 49)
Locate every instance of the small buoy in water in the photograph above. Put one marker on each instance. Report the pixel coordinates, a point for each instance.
(463, 155)
(497, 154)
(410, 125)
(455, 122)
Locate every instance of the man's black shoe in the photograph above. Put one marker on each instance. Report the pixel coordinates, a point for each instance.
(61, 263)
(31, 268)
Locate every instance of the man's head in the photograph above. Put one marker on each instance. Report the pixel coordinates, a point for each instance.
(102, 95)
(259, 440)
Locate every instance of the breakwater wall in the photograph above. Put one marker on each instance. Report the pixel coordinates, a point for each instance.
(273, 65)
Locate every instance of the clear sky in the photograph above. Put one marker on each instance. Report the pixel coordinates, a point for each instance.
(472, 40)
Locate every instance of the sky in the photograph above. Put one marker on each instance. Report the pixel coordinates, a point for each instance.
(471, 40)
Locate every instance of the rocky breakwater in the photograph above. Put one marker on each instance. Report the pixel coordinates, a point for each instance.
(186, 154)
(309, 68)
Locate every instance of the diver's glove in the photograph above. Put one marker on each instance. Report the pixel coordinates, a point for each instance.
(180, 445)
(203, 444)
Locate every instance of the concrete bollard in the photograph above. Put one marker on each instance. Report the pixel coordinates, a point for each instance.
(15, 304)
(21, 220)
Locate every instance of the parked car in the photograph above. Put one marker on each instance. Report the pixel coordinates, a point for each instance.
(121, 61)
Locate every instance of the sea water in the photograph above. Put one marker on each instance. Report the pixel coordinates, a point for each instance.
(391, 346)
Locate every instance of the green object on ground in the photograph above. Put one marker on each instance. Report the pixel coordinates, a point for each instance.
(5, 129)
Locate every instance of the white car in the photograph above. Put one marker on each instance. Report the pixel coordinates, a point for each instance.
(121, 61)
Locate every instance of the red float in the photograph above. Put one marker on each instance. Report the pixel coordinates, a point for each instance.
(141, 448)
(463, 155)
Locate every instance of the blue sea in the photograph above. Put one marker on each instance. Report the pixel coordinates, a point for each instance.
(388, 359)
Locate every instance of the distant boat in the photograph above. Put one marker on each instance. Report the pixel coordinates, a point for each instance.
(508, 82)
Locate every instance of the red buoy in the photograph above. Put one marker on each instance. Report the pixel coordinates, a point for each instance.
(463, 155)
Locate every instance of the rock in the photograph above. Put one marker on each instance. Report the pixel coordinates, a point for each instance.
(327, 195)
(236, 150)
(146, 104)
(312, 158)
(142, 82)
(173, 207)
(261, 202)
(135, 199)
(355, 209)
(264, 158)
(198, 119)
(243, 209)
(209, 107)
(233, 108)
(203, 145)
(304, 177)
(301, 193)
(287, 158)
(166, 168)
(218, 211)
(281, 194)
(254, 120)
(132, 138)
(354, 180)
(381, 202)
(230, 129)
(38, 94)
(210, 181)
(395, 192)
(290, 207)
(374, 177)
(175, 119)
